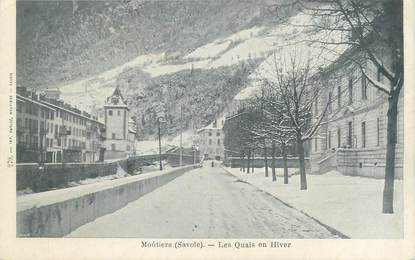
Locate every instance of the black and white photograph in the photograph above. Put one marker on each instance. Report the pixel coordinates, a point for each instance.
(221, 119)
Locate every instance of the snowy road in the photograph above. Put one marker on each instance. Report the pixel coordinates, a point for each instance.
(205, 203)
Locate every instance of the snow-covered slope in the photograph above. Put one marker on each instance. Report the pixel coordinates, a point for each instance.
(269, 43)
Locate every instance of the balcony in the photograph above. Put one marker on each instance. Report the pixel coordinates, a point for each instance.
(75, 148)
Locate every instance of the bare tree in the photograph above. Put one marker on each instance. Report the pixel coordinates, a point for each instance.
(269, 127)
(375, 30)
(298, 91)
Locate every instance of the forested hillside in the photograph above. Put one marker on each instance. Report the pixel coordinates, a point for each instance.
(196, 53)
(203, 94)
(61, 41)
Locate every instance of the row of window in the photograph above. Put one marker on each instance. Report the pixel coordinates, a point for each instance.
(218, 142)
(46, 114)
(349, 141)
(76, 132)
(32, 140)
(217, 133)
(350, 87)
(29, 108)
(110, 112)
(33, 109)
(71, 117)
(31, 124)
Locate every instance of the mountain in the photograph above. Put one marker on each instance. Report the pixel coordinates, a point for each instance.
(196, 53)
(60, 41)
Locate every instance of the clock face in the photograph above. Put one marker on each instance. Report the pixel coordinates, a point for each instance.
(115, 100)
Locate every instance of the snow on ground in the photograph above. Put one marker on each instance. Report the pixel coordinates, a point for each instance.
(152, 146)
(205, 203)
(159, 69)
(245, 34)
(120, 174)
(55, 196)
(93, 91)
(209, 50)
(24, 192)
(352, 205)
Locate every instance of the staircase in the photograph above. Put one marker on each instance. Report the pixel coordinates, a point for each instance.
(328, 161)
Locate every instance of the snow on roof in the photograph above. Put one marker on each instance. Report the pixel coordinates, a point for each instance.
(218, 121)
(116, 99)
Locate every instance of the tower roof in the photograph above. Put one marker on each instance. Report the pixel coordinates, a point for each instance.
(116, 99)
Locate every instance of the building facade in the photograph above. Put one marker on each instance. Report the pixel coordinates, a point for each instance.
(32, 118)
(352, 137)
(120, 129)
(211, 140)
(60, 132)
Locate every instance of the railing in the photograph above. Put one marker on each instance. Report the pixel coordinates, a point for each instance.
(54, 175)
(328, 163)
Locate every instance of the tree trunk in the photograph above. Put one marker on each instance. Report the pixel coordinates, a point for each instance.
(300, 151)
(249, 161)
(266, 160)
(284, 162)
(253, 160)
(243, 161)
(274, 175)
(390, 155)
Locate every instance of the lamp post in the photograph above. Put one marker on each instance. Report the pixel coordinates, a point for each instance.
(159, 134)
(181, 136)
(160, 119)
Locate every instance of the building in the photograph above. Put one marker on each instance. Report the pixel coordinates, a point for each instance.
(211, 140)
(32, 118)
(73, 134)
(120, 135)
(352, 137)
(60, 132)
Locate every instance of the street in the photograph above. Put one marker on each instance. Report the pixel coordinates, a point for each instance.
(205, 203)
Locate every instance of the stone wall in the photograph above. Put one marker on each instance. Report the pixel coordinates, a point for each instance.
(59, 212)
(259, 162)
(52, 176)
(57, 175)
(367, 162)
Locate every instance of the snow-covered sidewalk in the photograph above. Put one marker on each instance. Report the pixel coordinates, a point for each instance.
(351, 205)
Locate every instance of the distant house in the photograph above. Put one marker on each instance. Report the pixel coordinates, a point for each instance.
(211, 140)
(120, 129)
